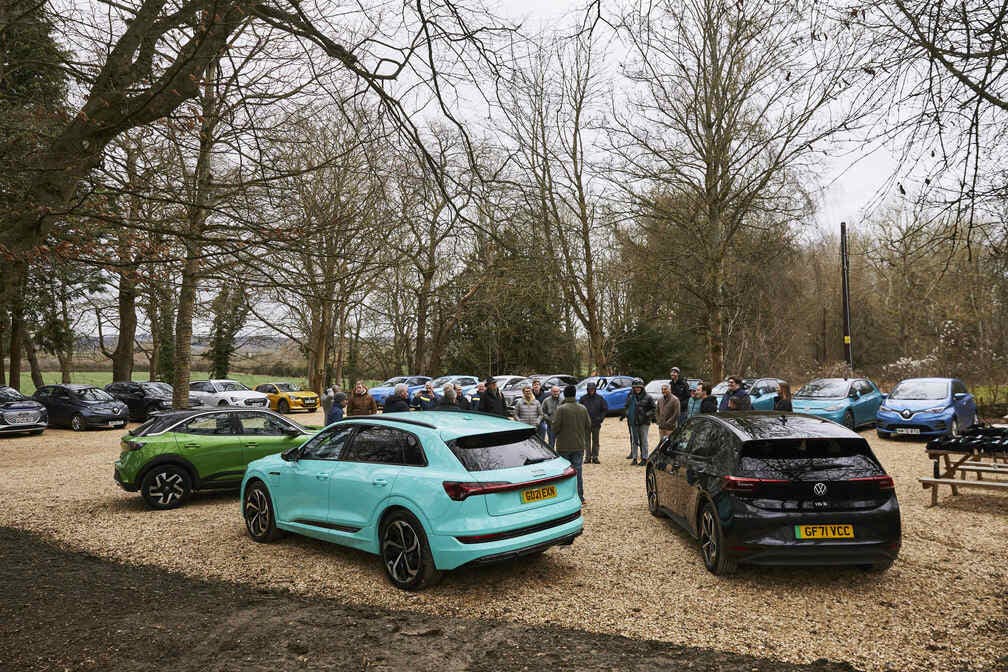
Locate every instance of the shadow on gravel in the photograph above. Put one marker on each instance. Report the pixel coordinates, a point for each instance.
(68, 610)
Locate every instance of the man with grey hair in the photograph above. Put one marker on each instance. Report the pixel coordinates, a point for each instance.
(669, 411)
(398, 401)
(460, 400)
(447, 402)
(549, 407)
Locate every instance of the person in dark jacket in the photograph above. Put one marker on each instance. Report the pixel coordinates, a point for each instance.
(737, 392)
(460, 401)
(680, 390)
(492, 400)
(425, 399)
(783, 401)
(448, 400)
(360, 402)
(708, 404)
(572, 426)
(597, 411)
(639, 412)
(398, 402)
(477, 396)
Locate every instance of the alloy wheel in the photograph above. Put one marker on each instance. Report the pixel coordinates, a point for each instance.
(955, 426)
(167, 489)
(708, 538)
(77, 423)
(401, 551)
(257, 513)
(652, 492)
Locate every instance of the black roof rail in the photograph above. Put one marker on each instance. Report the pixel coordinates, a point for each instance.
(418, 423)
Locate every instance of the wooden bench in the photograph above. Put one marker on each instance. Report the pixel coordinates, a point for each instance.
(955, 483)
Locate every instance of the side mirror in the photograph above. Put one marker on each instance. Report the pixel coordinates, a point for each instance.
(291, 432)
(854, 394)
(756, 393)
(291, 454)
(959, 396)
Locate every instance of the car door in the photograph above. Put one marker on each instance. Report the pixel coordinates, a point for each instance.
(212, 442)
(965, 404)
(301, 486)
(132, 395)
(697, 467)
(864, 405)
(668, 465)
(43, 395)
(61, 406)
(266, 434)
(365, 476)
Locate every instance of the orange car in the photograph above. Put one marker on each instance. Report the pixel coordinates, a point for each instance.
(287, 397)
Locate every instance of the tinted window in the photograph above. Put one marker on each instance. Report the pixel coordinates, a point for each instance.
(157, 388)
(201, 387)
(681, 439)
(93, 394)
(327, 445)
(213, 424)
(704, 444)
(807, 459)
(826, 388)
(262, 424)
(42, 393)
(958, 387)
(61, 394)
(375, 444)
(157, 423)
(500, 450)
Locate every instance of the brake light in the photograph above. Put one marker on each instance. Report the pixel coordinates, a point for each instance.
(460, 491)
(884, 482)
(747, 486)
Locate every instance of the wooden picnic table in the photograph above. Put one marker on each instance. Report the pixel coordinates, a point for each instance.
(952, 463)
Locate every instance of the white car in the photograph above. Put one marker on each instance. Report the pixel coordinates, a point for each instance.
(226, 393)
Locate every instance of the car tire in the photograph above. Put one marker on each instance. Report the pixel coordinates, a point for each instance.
(166, 486)
(259, 514)
(712, 549)
(848, 420)
(954, 428)
(78, 423)
(283, 406)
(409, 563)
(881, 434)
(651, 486)
(222, 403)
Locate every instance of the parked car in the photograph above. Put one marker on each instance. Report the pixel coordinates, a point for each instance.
(763, 392)
(81, 407)
(853, 402)
(426, 495)
(287, 397)
(176, 453)
(927, 407)
(226, 393)
(654, 388)
(19, 414)
(144, 398)
(547, 380)
(466, 382)
(614, 389)
(693, 383)
(771, 489)
(413, 383)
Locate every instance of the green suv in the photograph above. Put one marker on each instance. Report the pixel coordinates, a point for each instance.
(173, 454)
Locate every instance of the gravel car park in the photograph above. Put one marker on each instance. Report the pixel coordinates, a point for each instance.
(629, 574)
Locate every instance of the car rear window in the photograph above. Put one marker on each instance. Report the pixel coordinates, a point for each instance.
(500, 450)
(804, 459)
(156, 423)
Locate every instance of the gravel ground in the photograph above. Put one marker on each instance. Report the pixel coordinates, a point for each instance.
(942, 606)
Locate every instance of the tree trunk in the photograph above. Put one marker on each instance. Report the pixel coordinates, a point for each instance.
(36, 372)
(17, 332)
(122, 356)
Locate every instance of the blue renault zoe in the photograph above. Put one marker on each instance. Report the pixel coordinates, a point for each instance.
(428, 492)
(926, 407)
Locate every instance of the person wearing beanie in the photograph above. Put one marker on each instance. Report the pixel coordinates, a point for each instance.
(572, 428)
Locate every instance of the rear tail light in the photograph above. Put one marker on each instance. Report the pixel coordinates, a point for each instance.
(134, 445)
(884, 482)
(748, 486)
(459, 491)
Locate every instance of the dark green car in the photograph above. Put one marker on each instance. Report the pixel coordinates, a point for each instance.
(173, 454)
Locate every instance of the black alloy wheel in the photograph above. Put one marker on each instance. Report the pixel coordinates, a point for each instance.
(283, 406)
(712, 542)
(78, 423)
(409, 563)
(258, 511)
(848, 420)
(652, 493)
(166, 487)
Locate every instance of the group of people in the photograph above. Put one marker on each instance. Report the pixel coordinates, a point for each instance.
(570, 426)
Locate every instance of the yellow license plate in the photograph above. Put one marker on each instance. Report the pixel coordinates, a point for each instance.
(538, 494)
(824, 531)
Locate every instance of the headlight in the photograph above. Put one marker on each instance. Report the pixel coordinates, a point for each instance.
(936, 409)
(234, 400)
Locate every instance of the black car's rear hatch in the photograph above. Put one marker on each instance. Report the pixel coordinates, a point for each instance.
(820, 474)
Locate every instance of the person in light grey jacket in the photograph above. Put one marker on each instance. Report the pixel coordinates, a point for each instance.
(528, 409)
(549, 407)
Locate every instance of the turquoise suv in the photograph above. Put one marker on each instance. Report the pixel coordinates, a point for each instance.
(427, 492)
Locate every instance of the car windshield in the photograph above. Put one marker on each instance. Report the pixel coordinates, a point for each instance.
(920, 390)
(720, 388)
(824, 389)
(654, 387)
(519, 384)
(501, 450)
(157, 388)
(93, 394)
(288, 387)
(390, 382)
(438, 382)
(10, 394)
(230, 386)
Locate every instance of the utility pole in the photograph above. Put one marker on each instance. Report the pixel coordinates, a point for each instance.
(845, 282)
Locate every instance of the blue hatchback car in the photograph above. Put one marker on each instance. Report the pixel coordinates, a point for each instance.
(614, 389)
(381, 392)
(852, 402)
(427, 492)
(927, 407)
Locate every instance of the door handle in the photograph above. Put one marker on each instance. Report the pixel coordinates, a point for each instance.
(251, 444)
(380, 482)
(322, 477)
(192, 445)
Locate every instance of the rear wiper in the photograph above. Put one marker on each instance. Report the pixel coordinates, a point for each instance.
(531, 460)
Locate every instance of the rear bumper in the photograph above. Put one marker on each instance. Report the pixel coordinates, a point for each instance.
(450, 553)
(848, 553)
(128, 487)
(523, 552)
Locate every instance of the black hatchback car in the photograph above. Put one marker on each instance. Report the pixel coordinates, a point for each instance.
(81, 406)
(143, 398)
(19, 414)
(767, 488)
